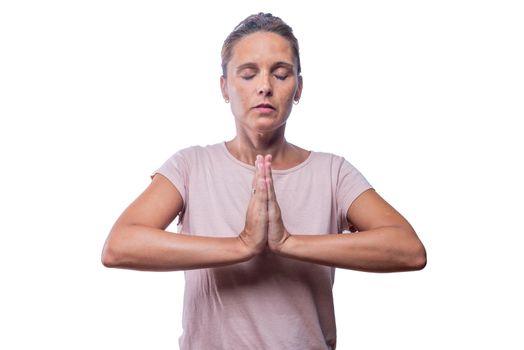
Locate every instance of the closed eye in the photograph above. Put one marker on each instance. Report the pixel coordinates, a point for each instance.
(281, 73)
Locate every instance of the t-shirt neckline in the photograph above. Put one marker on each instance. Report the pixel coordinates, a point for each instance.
(274, 171)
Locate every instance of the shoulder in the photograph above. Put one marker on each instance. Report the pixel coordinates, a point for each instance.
(189, 152)
(332, 160)
(341, 170)
(193, 153)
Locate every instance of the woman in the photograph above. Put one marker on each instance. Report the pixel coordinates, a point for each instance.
(258, 215)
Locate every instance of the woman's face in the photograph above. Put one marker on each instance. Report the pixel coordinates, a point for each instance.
(262, 81)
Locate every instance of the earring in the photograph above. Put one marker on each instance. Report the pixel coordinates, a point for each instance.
(295, 102)
(226, 100)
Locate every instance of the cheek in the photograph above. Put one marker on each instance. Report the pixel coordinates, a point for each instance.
(238, 102)
(290, 93)
(239, 96)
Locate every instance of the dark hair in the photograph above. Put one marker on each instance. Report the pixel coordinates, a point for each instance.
(261, 22)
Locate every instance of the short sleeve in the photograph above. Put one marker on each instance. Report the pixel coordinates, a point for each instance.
(175, 170)
(351, 183)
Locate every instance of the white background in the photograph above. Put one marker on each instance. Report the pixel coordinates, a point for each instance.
(422, 97)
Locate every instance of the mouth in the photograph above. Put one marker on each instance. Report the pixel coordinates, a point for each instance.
(264, 108)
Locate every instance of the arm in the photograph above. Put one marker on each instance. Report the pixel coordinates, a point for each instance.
(138, 239)
(386, 242)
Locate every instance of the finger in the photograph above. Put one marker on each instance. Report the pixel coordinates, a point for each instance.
(254, 183)
(263, 168)
(267, 165)
(261, 190)
(269, 178)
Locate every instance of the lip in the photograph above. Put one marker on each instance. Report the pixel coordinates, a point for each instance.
(264, 108)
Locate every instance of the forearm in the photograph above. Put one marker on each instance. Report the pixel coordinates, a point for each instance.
(384, 249)
(144, 248)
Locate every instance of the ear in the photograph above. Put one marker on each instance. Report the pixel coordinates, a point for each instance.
(223, 87)
(299, 89)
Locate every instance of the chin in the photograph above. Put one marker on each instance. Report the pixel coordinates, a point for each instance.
(267, 127)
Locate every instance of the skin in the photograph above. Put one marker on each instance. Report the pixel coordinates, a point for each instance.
(262, 70)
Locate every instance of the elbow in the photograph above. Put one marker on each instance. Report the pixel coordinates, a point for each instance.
(414, 256)
(409, 254)
(110, 254)
(108, 258)
(417, 258)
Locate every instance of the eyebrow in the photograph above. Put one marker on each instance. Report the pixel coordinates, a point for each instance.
(283, 64)
(273, 67)
(246, 65)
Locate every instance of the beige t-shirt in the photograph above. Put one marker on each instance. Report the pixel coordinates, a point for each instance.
(269, 302)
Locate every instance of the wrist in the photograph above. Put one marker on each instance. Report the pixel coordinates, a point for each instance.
(279, 247)
(247, 248)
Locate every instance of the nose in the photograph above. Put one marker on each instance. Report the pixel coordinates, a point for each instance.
(265, 88)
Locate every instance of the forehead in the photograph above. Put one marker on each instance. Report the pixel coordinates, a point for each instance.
(261, 47)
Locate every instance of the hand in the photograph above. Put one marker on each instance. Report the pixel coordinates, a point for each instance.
(254, 235)
(277, 233)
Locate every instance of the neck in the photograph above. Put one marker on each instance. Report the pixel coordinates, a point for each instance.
(246, 145)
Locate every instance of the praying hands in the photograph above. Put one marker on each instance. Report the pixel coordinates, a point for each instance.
(264, 226)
